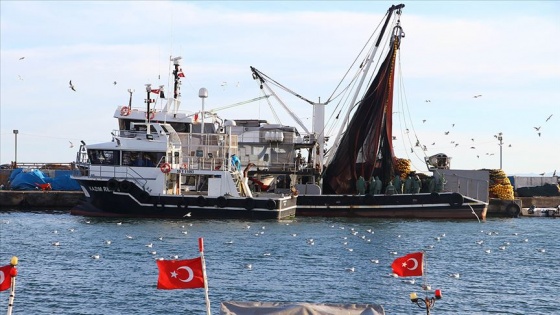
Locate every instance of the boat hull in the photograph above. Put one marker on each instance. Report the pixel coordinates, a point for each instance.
(101, 201)
(424, 206)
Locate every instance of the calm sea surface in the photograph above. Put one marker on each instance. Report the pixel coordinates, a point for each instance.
(522, 277)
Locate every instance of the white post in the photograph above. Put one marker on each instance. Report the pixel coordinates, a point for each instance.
(13, 274)
(202, 93)
(201, 249)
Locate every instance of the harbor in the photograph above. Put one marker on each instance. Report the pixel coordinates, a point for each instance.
(284, 265)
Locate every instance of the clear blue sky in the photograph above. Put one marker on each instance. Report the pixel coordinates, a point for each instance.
(507, 52)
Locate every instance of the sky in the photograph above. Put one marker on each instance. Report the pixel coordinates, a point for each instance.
(507, 52)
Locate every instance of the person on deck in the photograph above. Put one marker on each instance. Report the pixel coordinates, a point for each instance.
(361, 186)
(398, 184)
(416, 184)
(235, 162)
(408, 185)
(378, 185)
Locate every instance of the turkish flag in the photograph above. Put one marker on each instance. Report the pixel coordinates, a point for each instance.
(411, 265)
(180, 274)
(156, 91)
(5, 277)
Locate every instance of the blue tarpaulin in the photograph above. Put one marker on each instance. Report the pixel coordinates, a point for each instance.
(20, 180)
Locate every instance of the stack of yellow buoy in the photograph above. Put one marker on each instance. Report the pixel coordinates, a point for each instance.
(403, 167)
(500, 186)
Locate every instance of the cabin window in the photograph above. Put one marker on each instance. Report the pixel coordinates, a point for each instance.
(142, 159)
(104, 157)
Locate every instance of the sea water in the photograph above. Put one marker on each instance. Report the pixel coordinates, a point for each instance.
(500, 266)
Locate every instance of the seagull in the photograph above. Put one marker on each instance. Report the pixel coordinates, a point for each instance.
(21, 58)
(185, 232)
(150, 245)
(542, 250)
(446, 133)
(428, 101)
(229, 242)
(153, 253)
(71, 144)
(129, 237)
(537, 128)
(375, 261)
(455, 275)
(249, 267)
(19, 77)
(351, 269)
(479, 242)
(56, 244)
(477, 96)
(187, 215)
(72, 86)
(114, 82)
(108, 242)
(548, 118)
(96, 256)
(119, 223)
(487, 251)
(423, 120)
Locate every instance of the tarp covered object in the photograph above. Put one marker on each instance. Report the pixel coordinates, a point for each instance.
(278, 308)
(20, 180)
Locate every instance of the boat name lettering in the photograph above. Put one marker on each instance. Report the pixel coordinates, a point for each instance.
(97, 188)
(182, 171)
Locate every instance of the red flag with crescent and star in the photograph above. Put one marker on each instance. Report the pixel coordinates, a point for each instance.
(411, 265)
(5, 277)
(180, 274)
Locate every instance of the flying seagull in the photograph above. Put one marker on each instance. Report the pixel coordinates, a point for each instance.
(114, 82)
(477, 96)
(72, 86)
(21, 58)
(537, 128)
(549, 117)
(71, 144)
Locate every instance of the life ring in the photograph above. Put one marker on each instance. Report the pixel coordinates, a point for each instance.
(222, 202)
(513, 210)
(165, 168)
(456, 200)
(125, 186)
(184, 166)
(249, 204)
(201, 201)
(112, 184)
(270, 204)
(151, 114)
(125, 111)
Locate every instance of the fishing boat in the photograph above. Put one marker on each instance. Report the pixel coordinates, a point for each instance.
(143, 172)
(282, 159)
(534, 211)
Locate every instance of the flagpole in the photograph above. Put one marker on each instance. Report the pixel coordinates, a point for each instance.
(201, 249)
(13, 274)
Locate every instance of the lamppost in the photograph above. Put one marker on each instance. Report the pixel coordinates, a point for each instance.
(426, 303)
(15, 158)
(500, 138)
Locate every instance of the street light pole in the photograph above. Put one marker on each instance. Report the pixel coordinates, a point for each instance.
(500, 139)
(15, 158)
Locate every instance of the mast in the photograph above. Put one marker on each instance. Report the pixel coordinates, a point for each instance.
(365, 71)
(177, 75)
(148, 101)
